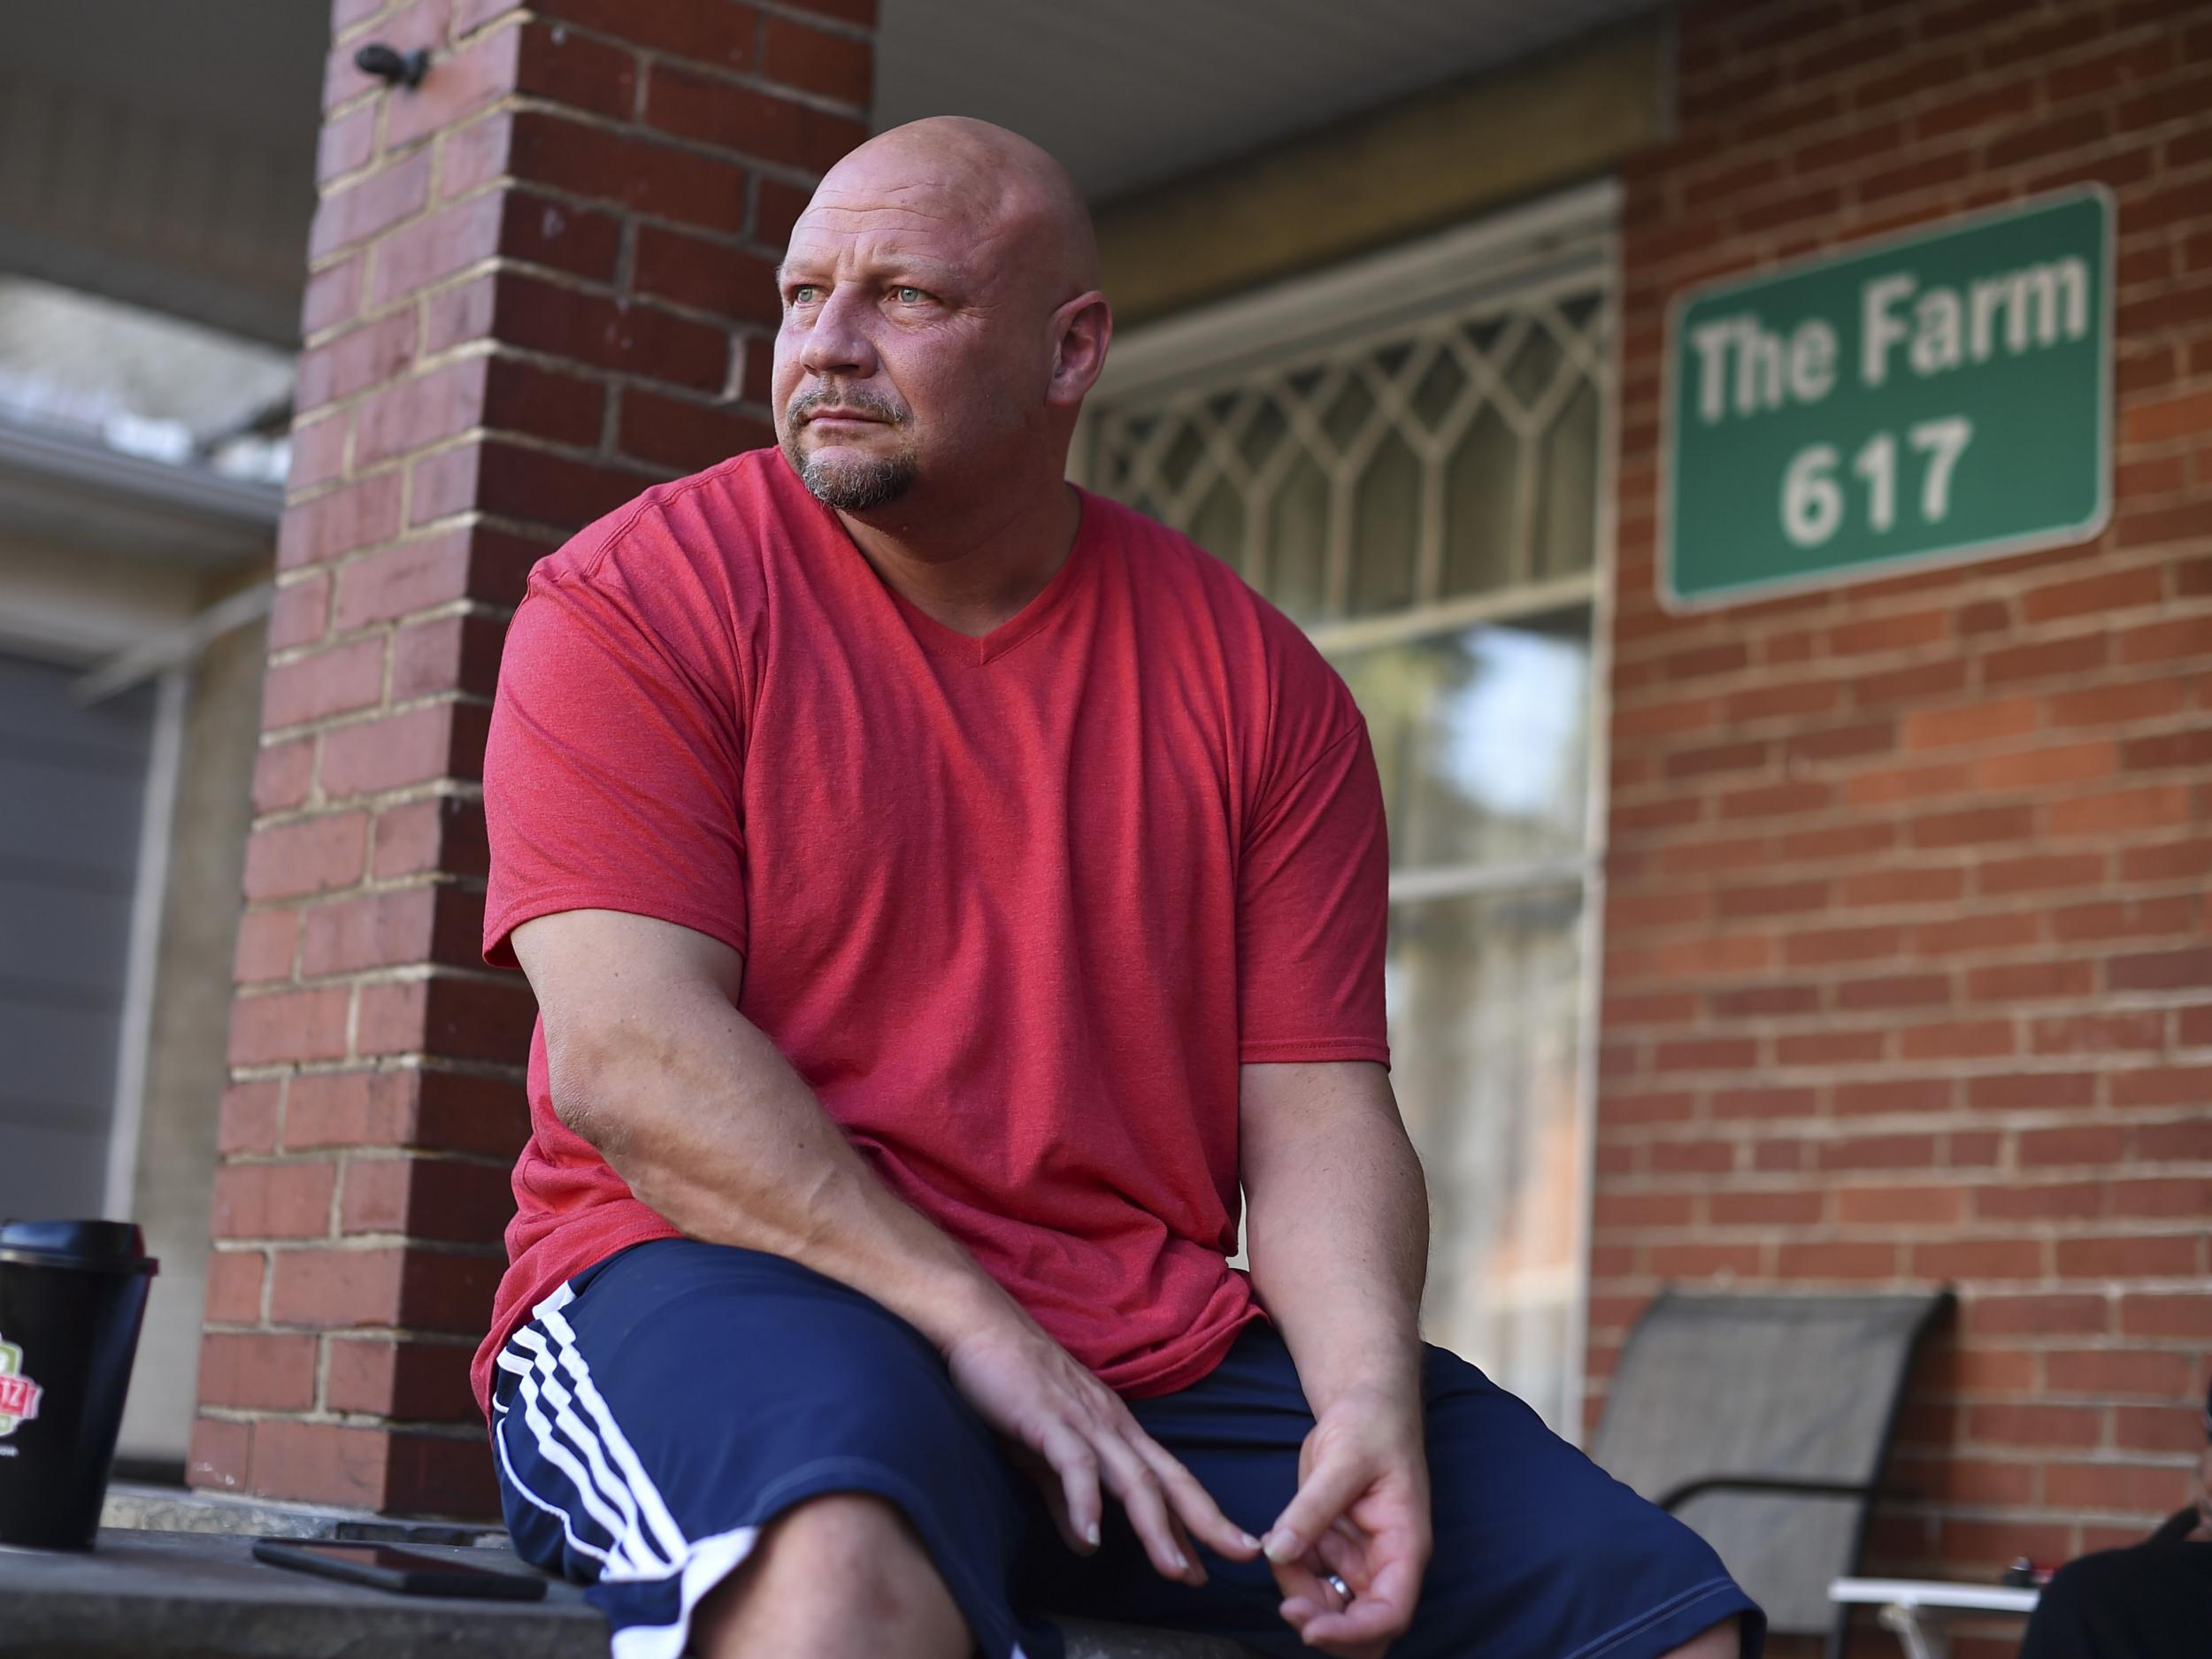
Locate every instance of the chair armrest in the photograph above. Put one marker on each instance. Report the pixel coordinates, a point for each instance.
(1778, 1485)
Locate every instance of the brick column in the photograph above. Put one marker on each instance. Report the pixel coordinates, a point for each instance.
(538, 283)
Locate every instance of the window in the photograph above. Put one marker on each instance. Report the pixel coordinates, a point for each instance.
(1406, 455)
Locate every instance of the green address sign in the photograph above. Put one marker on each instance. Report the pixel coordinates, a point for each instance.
(1929, 398)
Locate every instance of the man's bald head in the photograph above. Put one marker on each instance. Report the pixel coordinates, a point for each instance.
(1010, 191)
(941, 318)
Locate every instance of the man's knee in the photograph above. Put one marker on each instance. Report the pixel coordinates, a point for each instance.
(860, 1549)
(1723, 1640)
(839, 1577)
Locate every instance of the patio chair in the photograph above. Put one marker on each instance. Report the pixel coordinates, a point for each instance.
(1763, 1422)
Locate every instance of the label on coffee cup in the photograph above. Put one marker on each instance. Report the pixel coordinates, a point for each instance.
(19, 1394)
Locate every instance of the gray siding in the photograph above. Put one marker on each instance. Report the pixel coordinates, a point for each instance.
(72, 792)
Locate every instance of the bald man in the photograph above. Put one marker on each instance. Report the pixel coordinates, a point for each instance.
(944, 889)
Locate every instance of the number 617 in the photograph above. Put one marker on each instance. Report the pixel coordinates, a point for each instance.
(1812, 500)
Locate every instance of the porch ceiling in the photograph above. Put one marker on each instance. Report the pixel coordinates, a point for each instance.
(163, 153)
(1131, 93)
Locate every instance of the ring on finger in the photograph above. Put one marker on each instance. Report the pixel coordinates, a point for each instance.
(1336, 1583)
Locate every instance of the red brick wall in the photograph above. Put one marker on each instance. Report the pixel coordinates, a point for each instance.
(537, 284)
(1908, 963)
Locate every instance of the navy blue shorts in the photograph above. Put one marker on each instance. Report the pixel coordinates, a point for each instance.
(664, 1406)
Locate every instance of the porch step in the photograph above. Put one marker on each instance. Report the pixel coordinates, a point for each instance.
(202, 1595)
(199, 1594)
(145, 1508)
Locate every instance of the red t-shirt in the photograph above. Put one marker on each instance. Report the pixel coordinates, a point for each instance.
(1017, 908)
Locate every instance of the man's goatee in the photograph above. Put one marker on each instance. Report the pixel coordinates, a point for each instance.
(855, 486)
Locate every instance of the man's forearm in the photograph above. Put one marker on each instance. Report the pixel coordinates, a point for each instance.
(707, 1123)
(1336, 1225)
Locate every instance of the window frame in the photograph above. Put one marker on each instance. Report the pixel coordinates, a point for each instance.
(1568, 238)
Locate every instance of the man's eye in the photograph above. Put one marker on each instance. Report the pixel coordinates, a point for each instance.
(911, 296)
(804, 294)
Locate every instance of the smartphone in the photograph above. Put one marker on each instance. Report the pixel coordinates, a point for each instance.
(381, 1567)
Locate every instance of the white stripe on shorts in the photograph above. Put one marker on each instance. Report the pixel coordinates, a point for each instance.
(630, 1559)
(699, 1564)
(541, 1387)
(507, 1467)
(656, 1515)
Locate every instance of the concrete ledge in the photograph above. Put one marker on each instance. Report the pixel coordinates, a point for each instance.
(191, 1595)
(179, 1510)
(197, 1593)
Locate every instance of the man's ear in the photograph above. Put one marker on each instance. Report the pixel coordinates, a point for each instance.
(1081, 330)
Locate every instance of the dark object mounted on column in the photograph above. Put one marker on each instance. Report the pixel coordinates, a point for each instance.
(389, 64)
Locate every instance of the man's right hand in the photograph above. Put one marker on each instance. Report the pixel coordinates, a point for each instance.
(1076, 1435)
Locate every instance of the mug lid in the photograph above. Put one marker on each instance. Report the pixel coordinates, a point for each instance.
(100, 1247)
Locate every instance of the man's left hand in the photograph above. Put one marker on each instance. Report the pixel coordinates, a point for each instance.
(1361, 1516)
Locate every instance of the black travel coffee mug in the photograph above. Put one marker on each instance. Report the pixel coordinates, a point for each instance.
(72, 1294)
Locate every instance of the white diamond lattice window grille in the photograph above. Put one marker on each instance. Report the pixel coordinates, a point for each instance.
(1452, 458)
